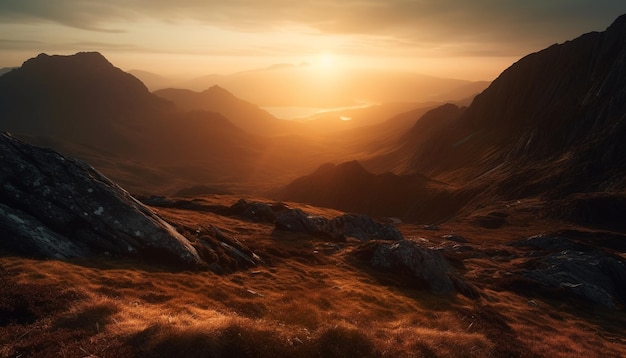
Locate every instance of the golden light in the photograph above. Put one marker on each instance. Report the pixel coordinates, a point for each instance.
(325, 60)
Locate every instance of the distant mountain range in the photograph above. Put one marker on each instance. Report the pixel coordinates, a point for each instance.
(309, 86)
(84, 106)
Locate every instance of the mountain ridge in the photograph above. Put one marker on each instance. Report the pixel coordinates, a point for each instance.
(244, 114)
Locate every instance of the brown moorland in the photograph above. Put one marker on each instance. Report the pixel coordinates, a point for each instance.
(311, 298)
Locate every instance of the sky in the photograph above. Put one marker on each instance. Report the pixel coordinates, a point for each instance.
(464, 39)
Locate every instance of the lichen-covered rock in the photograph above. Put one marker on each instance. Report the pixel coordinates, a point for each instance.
(255, 211)
(364, 228)
(54, 206)
(589, 273)
(426, 265)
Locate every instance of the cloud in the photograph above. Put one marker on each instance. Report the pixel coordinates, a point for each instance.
(516, 26)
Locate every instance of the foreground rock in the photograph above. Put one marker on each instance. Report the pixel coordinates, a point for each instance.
(222, 253)
(590, 273)
(426, 266)
(52, 206)
(360, 227)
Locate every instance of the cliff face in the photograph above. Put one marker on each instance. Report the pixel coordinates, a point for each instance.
(556, 117)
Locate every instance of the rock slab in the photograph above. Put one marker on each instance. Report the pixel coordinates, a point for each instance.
(53, 206)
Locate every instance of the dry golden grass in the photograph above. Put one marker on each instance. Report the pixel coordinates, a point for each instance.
(304, 302)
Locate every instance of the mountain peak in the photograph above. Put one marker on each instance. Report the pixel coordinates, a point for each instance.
(216, 90)
(620, 22)
(51, 93)
(91, 59)
(562, 107)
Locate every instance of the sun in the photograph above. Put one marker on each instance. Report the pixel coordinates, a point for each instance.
(326, 60)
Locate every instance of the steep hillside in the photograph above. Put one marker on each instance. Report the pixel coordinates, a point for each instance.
(553, 122)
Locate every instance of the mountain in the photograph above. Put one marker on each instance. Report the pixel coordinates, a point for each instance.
(4, 70)
(216, 99)
(425, 136)
(81, 99)
(552, 122)
(312, 86)
(349, 187)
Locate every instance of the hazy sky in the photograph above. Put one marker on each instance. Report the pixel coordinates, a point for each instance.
(473, 39)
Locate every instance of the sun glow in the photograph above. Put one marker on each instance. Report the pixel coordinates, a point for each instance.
(326, 60)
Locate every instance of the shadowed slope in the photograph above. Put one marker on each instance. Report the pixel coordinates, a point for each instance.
(349, 187)
(554, 121)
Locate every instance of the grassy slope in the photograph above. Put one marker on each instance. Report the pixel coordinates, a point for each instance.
(311, 299)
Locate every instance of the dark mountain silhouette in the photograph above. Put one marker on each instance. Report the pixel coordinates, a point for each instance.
(4, 70)
(349, 187)
(243, 114)
(81, 99)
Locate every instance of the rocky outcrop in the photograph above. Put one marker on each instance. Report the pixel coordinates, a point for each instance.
(258, 211)
(427, 267)
(224, 254)
(364, 228)
(590, 273)
(52, 206)
(360, 227)
(424, 264)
